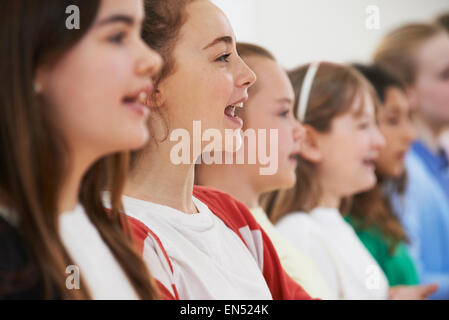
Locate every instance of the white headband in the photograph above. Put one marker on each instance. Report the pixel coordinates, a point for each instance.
(305, 90)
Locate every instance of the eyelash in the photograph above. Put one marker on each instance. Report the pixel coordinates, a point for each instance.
(364, 125)
(393, 121)
(284, 113)
(117, 38)
(223, 58)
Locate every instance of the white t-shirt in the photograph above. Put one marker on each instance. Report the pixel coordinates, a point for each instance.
(209, 260)
(348, 267)
(96, 264)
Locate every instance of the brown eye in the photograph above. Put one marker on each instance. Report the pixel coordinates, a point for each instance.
(223, 58)
(117, 38)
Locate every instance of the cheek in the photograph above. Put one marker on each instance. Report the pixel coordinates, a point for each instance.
(86, 97)
(200, 95)
(286, 142)
(435, 95)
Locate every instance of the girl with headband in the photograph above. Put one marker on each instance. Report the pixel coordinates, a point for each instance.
(338, 110)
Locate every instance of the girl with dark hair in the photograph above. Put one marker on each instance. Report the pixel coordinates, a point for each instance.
(72, 101)
(372, 212)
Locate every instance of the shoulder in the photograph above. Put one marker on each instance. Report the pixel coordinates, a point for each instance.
(231, 211)
(155, 255)
(298, 228)
(216, 198)
(296, 221)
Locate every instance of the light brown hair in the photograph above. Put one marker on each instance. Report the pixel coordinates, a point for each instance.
(397, 50)
(33, 156)
(333, 92)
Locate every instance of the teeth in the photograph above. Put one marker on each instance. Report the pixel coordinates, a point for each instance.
(143, 96)
(238, 105)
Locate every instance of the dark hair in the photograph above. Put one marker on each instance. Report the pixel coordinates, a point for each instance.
(443, 20)
(33, 156)
(333, 92)
(161, 28)
(373, 208)
(379, 78)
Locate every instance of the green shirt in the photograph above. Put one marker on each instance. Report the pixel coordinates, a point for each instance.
(398, 266)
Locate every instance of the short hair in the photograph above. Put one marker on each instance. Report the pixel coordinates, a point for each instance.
(379, 78)
(443, 20)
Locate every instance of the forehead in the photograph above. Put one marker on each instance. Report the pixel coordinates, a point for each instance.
(205, 22)
(395, 98)
(363, 105)
(434, 54)
(133, 9)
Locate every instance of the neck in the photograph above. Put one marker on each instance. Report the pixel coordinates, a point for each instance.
(329, 200)
(156, 179)
(223, 177)
(69, 196)
(427, 133)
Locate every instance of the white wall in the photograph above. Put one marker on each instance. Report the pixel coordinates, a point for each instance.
(298, 31)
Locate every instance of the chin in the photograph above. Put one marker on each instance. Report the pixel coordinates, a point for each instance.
(370, 183)
(137, 141)
(235, 144)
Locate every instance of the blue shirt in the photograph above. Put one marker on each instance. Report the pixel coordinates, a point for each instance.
(436, 164)
(424, 213)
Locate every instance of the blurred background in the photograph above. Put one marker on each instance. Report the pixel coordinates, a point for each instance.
(299, 31)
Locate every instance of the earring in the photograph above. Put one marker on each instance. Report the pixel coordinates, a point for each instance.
(37, 87)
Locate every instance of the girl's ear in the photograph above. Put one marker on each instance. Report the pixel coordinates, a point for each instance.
(156, 100)
(310, 149)
(39, 80)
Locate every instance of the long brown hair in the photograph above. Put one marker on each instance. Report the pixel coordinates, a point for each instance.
(373, 208)
(161, 29)
(397, 50)
(333, 91)
(33, 156)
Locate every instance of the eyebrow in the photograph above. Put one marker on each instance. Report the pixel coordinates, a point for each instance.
(117, 18)
(285, 100)
(225, 39)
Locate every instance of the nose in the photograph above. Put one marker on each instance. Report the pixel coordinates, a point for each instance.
(378, 141)
(246, 77)
(409, 132)
(149, 61)
(299, 131)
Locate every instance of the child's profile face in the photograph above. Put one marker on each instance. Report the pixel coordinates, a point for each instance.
(395, 125)
(96, 90)
(209, 78)
(270, 106)
(430, 91)
(350, 149)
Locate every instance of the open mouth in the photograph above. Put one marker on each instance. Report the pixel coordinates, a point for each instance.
(370, 163)
(294, 158)
(230, 112)
(137, 103)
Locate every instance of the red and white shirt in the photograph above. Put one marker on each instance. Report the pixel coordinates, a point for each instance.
(219, 253)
